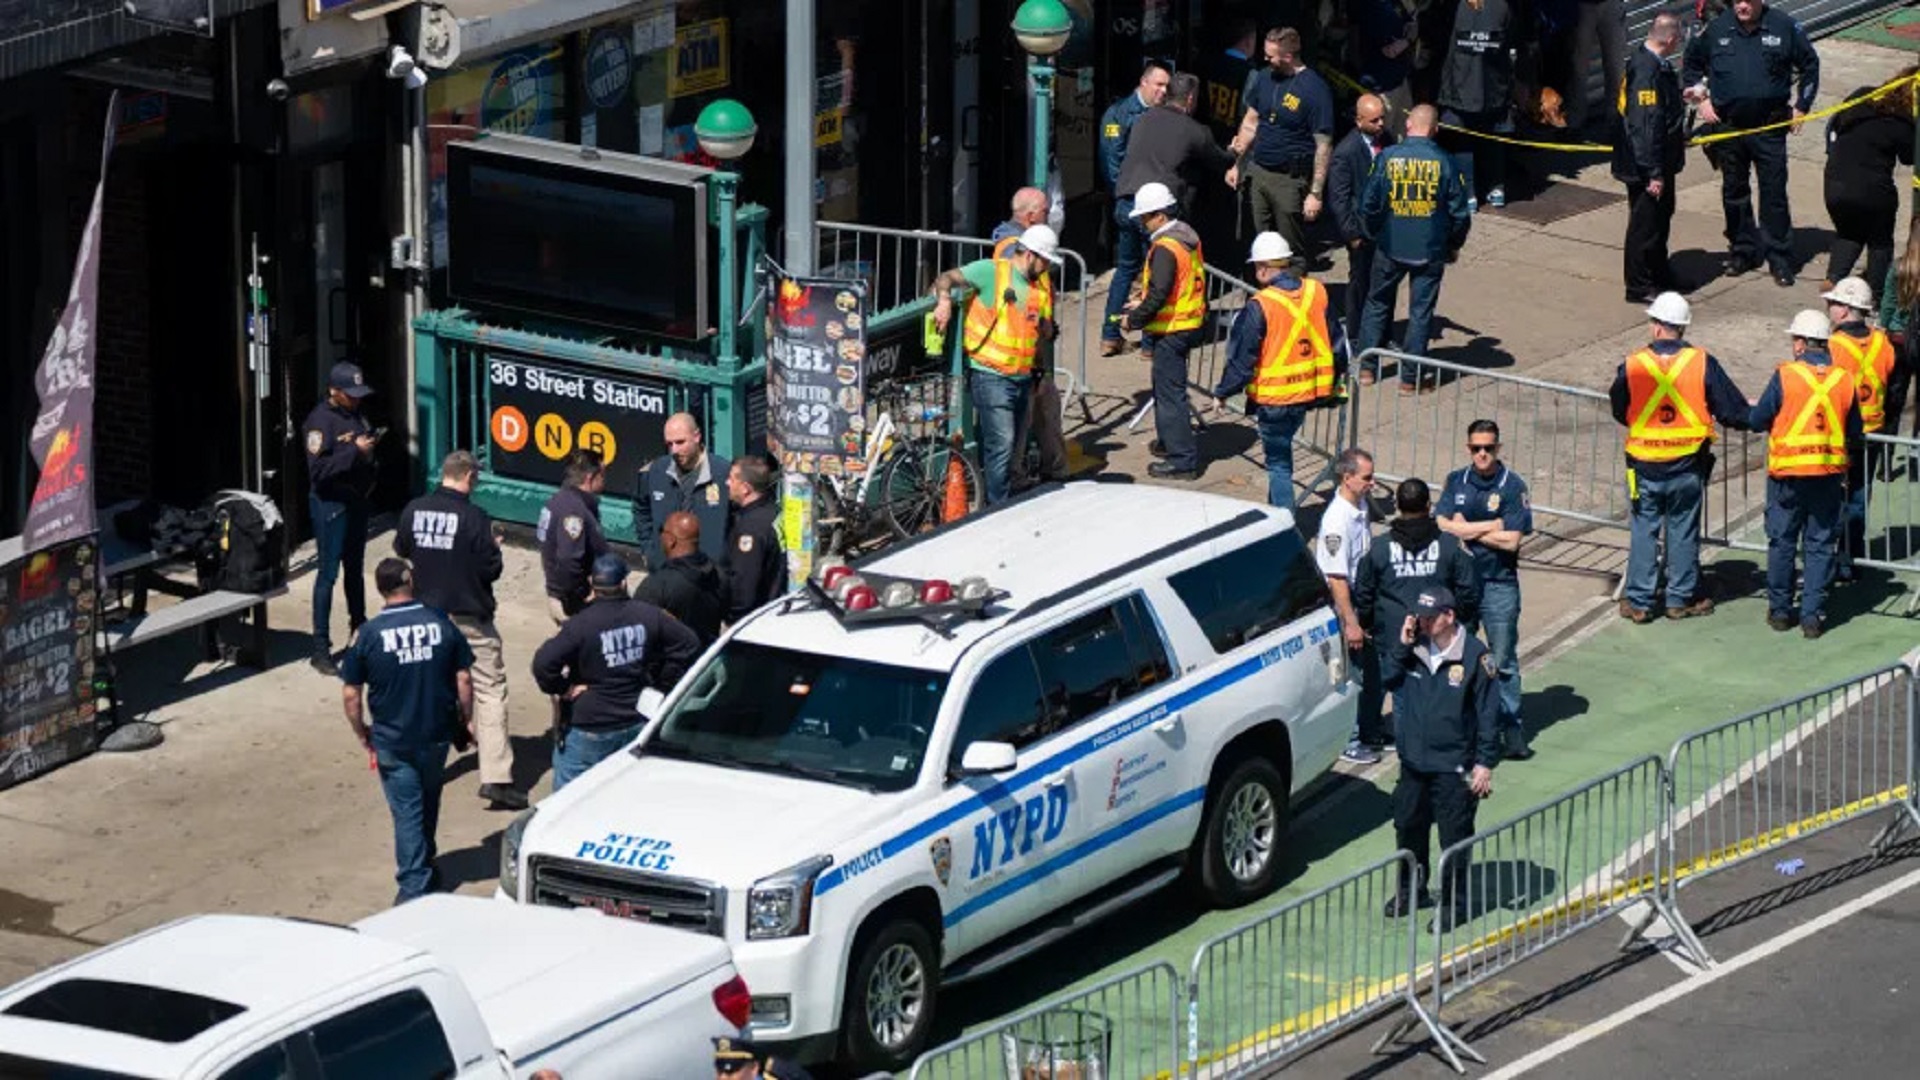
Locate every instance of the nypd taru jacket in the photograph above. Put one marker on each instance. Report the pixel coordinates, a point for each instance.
(1446, 708)
(1415, 206)
(570, 539)
(455, 559)
(1412, 555)
(616, 648)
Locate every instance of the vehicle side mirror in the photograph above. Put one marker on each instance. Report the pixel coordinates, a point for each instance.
(650, 703)
(988, 759)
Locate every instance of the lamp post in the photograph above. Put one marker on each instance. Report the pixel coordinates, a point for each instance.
(726, 129)
(1042, 28)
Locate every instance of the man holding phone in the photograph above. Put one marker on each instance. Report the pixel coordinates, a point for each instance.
(340, 474)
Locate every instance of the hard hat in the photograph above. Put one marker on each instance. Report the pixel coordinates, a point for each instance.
(1851, 291)
(1670, 308)
(1152, 198)
(1811, 325)
(1270, 247)
(1042, 241)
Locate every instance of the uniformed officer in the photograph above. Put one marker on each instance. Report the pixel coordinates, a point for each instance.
(738, 1059)
(1445, 710)
(1042, 422)
(1487, 506)
(1415, 212)
(689, 586)
(1740, 71)
(757, 561)
(1130, 241)
(1286, 134)
(339, 478)
(599, 663)
(1170, 314)
(1339, 547)
(1866, 353)
(456, 559)
(569, 534)
(410, 666)
(1285, 353)
(1668, 395)
(1811, 416)
(1649, 157)
(687, 477)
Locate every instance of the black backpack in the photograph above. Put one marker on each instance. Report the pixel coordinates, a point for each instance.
(248, 549)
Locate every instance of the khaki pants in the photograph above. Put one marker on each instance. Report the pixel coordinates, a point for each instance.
(489, 699)
(556, 610)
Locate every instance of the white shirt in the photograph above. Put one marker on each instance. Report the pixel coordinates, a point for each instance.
(1342, 541)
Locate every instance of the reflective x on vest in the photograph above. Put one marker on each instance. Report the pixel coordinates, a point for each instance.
(1809, 432)
(1869, 362)
(1667, 422)
(1295, 365)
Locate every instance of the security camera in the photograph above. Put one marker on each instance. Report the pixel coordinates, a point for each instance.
(278, 90)
(399, 62)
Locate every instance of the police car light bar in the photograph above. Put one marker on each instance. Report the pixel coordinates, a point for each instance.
(856, 598)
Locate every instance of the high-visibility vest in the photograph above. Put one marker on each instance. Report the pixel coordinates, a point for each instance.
(1186, 306)
(1003, 337)
(1870, 362)
(1809, 435)
(1004, 245)
(1296, 361)
(1667, 417)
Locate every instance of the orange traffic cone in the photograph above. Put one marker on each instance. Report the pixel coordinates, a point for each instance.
(953, 493)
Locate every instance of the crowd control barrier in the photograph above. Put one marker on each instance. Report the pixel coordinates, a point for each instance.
(1124, 1027)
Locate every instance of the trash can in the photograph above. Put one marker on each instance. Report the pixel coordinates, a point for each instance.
(1060, 1044)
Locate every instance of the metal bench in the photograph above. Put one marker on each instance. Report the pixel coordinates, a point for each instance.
(204, 611)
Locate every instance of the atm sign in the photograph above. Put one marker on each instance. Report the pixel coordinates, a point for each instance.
(699, 58)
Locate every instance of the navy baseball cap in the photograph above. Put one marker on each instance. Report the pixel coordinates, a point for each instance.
(1433, 601)
(609, 573)
(347, 378)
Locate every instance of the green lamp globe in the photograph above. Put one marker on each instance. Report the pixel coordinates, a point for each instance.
(1042, 26)
(725, 129)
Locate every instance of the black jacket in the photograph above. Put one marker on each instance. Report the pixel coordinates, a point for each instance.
(455, 559)
(1444, 719)
(1750, 75)
(1347, 181)
(1654, 143)
(570, 539)
(758, 564)
(1173, 148)
(616, 648)
(661, 494)
(1477, 76)
(1411, 556)
(692, 589)
(336, 469)
(1863, 147)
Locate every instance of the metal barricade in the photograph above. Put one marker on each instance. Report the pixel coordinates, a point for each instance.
(1129, 1025)
(1539, 878)
(1268, 989)
(1745, 787)
(1890, 508)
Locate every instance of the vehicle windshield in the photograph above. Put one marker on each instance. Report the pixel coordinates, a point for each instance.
(822, 717)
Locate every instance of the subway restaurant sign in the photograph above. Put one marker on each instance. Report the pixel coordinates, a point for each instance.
(699, 59)
(539, 413)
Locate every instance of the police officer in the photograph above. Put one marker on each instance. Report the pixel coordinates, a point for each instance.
(1486, 505)
(754, 553)
(569, 534)
(410, 665)
(1339, 547)
(1130, 242)
(456, 559)
(1868, 355)
(1170, 314)
(339, 478)
(687, 477)
(1286, 134)
(1668, 395)
(1740, 71)
(599, 663)
(1285, 353)
(738, 1059)
(689, 586)
(1042, 423)
(1811, 416)
(1445, 707)
(1415, 212)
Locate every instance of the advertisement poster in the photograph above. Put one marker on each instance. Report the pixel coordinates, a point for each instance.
(699, 59)
(816, 374)
(48, 612)
(541, 412)
(523, 92)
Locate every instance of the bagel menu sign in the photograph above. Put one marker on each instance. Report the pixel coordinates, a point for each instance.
(540, 413)
(48, 616)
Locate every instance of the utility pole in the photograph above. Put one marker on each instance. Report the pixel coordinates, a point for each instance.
(798, 253)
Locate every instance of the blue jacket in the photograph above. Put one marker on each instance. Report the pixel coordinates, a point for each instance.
(1768, 407)
(1415, 206)
(1446, 719)
(1750, 73)
(661, 493)
(1116, 125)
(1250, 329)
(1725, 403)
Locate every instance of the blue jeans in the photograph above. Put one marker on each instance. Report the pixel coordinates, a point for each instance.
(578, 750)
(340, 534)
(1129, 255)
(1370, 726)
(1500, 619)
(1171, 407)
(1669, 505)
(1423, 294)
(999, 404)
(411, 779)
(1804, 515)
(1278, 425)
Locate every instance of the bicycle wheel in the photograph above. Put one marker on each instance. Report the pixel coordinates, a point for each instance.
(913, 485)
(829, 519)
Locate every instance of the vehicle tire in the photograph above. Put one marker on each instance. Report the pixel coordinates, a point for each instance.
(891, 989)
(912, 489)
(1243, 835)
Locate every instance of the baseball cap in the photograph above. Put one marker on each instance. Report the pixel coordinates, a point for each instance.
(1433, 601)
(347, 378)
(609, 573)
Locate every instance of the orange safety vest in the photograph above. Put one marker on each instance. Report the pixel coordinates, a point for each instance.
(1870, 362)
(1809, 435)
(1001, 245)
(1667, 417)
(1186, 307)
(1296, 362)
(1004, 337)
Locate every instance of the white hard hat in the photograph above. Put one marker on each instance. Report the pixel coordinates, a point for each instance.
(1851, 291)
(1042, 241)
(1670, 308)
(1811, 325)
(1152, 198)
(1270, 247)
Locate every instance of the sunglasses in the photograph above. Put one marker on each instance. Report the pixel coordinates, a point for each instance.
(728, 1068)
(1490, 448)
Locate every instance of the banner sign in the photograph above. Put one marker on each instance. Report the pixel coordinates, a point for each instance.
(62, 435)
(47, 622)
(816, 374)
(542, 412)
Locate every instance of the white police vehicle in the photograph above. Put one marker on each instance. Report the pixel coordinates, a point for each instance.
(870, 803)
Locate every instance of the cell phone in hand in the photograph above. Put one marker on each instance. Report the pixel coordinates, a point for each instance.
(378, 433)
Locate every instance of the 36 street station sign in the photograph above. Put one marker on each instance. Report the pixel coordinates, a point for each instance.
(539, 413)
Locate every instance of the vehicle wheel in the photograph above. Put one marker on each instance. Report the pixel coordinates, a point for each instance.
(1246, 825)
(913, 481)
(891, 989)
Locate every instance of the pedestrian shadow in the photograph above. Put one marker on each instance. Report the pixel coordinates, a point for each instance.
(1696, 268)
(1810, 243)
(532, 759)
(471, 865)
(1480, 351)
(1510, 885)
(1549, 706)
(1869, 594)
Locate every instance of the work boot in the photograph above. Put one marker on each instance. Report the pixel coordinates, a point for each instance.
(1517, 748)
(1781, 623)
(1700, 607)
(503, 797)
(1398, 908)
(1157, 448)
(1811, 629)
(1163, 470)
(1112, 347)
(323, 662)
(1634, 615)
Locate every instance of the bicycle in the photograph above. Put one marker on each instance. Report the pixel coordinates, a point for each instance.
(901, 489)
